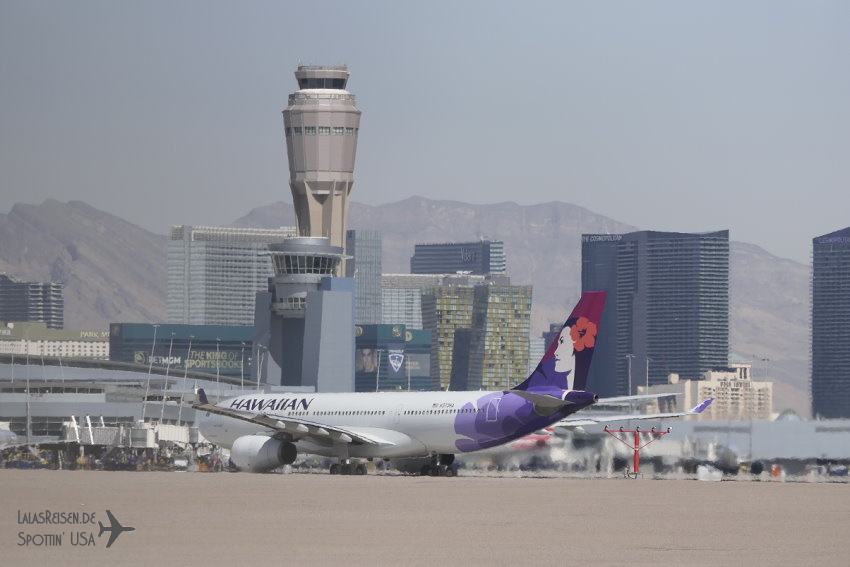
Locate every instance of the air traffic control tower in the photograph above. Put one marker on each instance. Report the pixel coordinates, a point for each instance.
(304, 322)
(321, 125)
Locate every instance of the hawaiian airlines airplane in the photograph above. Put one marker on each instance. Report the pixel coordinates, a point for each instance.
(416, 431)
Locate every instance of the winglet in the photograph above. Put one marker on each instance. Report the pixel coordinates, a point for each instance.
(202, 396)
(701, 407)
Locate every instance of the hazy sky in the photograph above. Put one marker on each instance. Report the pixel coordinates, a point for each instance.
(684, 116)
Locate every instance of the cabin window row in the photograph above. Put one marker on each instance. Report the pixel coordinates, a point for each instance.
(442, 411)
(351, 412)
(321, 131)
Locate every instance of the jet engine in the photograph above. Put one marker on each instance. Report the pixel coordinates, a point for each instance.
(258, 453)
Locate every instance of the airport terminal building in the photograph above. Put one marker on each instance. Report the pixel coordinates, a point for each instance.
(218, 350)
(43, 400)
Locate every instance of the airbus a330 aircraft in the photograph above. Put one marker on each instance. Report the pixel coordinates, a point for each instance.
(416, 431)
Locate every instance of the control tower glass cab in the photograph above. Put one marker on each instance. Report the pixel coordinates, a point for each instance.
(321, 124)
(299, 266)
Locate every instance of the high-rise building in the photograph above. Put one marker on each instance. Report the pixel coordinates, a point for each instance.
(446, 309)
(402, 307)
(214, 273)
(830, 379)
(321, 125)
(667, 309)
(401, 298)
(481, 257)
(501, 321)
(364, 249)
(32, 301)
(480, 332)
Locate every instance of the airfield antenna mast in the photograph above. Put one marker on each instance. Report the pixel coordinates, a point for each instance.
(636, 445)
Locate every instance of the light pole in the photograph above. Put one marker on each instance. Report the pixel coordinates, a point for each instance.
(647, 374)
(150, 367)
(218, 366)
(378, 369)
(242, 367)
(261, 350)
(185, 373)
(629, 357)
(165, 382)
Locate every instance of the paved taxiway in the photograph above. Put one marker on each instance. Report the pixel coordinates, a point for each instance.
(317, 519)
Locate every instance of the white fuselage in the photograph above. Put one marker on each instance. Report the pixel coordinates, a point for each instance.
(413, 423)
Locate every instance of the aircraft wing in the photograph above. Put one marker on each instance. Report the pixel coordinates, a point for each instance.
(8, 439)
(626, 400)
(579, 421)
(295, 428)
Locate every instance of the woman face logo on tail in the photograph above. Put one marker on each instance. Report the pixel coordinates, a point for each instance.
(573, 339)
(565, 358)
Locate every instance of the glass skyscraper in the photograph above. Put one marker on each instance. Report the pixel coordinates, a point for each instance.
(402, 298)
(667, 309)
(490, 323)
(214, 273)
(481, 257)
(501, 322)
(831, 325)
(32, 301)
(364, 249)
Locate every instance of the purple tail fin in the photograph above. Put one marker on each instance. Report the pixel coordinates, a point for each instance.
(567, 362)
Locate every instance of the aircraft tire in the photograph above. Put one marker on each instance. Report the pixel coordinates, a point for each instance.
(426, 470)
(450, 472)
(334, 469)
(360, 469)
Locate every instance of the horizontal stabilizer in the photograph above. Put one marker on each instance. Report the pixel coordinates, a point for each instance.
(627, 400)
(541, 400)
(588, 420)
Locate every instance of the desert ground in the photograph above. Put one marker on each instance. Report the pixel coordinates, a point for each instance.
(317, 519)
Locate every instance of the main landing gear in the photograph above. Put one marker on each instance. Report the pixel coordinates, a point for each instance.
(440, 465)
(348, 468)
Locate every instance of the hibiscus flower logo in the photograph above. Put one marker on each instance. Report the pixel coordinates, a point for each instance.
(583, 334)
